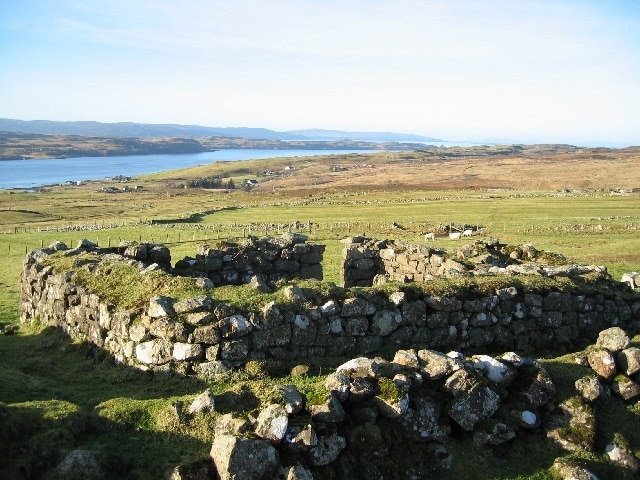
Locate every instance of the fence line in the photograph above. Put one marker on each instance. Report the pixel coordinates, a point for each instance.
(169, 233)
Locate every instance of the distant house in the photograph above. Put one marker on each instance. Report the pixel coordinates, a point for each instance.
(251, 183)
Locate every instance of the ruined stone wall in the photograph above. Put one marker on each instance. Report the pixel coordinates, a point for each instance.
(365, 260)
(368, 261)
(206, 336)
(235, 263)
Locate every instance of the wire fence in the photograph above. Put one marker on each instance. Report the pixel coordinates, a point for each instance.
(112, 234)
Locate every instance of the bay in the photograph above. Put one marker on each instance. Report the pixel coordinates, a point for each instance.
(29, 174)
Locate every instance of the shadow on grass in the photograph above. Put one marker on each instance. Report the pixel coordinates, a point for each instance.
(57, 396)
(197, 217)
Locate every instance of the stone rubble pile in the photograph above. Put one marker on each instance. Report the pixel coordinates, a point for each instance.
(616, 371)
(431, 395)
(615, 364)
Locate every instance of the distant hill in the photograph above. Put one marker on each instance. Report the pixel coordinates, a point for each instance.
(130, 129)
(329, 135)
(144, 130)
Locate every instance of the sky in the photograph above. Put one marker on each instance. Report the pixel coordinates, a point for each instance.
(531, 71)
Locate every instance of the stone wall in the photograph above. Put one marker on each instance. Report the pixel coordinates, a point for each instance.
(368, 261)
(229, 263)
(205, 336)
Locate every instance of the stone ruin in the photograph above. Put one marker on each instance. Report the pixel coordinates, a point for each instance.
(271, 259)
(369, 261)
(430, 395)
(202, 335)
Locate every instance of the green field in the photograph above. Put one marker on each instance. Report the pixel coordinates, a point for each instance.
(56, 395)
(594, 229)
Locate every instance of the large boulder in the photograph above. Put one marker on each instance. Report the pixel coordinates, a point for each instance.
(460, 381)
(361, 367)
(329, 412)
(628, 360)
(422, 421)
(154, 352)
(590, 387)
(493, 369)
(272, 423)
(187, 351)
(338, 384)
(202, 303)
(602, 362)
(205, 402)
(613, 339)
(291, 398)
(357, 307)
(160, 306)
(407, 358)
(435, 365)
(474, 406)
(326, 450)
(237, 458)
(625, 387)
(620, 454)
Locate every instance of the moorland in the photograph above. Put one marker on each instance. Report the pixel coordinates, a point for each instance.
(57, 394)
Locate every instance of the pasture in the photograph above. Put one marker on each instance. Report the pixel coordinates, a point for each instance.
(126, 415)
(595, 228)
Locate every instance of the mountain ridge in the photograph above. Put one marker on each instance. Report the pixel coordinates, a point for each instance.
(147, 130)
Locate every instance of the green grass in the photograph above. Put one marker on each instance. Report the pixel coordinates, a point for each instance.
(56, 394)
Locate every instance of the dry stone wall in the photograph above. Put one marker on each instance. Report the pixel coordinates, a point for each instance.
(228, 263)
(205, 336)
(370, 261)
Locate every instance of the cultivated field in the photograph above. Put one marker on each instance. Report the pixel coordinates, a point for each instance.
(583, 203)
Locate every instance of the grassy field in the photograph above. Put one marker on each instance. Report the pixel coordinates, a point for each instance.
(56, 394)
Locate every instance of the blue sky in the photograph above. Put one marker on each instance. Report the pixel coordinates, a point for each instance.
(531, 71)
